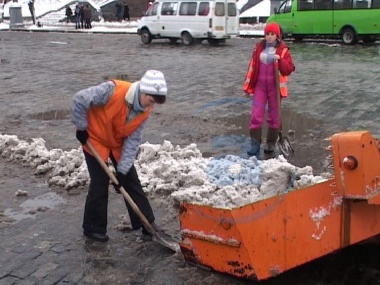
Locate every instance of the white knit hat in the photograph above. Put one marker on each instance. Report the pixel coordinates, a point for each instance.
(153, 83)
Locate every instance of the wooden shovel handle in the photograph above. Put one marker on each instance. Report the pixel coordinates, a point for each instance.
(278, 93)
(133, 205)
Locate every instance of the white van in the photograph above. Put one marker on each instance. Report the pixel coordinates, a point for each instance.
(190, 20)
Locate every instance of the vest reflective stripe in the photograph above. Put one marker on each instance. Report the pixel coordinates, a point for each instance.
(107, 126)
(248, 77)
(283, 86)
(283, 80)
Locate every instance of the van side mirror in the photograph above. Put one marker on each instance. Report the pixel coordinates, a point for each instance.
(275, 10)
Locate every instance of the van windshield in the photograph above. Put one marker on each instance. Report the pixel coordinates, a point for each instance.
(152, 10)
(286, 7)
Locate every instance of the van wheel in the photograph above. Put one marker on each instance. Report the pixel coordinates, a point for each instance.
(349, 36)
(187, 39)
(146, 37)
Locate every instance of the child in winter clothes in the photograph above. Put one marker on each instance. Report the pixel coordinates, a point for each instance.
(261, 85)
(111, 116)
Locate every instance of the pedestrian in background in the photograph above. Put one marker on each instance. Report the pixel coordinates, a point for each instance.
(126, 13)
(87, 17)
(111, 116)
(260, 84)
(81, 14)
(1, 12)
(119, 15)
(68, 13)
(77, 17)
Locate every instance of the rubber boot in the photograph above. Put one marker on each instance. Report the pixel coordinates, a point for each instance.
(255, 142)
(272, 137)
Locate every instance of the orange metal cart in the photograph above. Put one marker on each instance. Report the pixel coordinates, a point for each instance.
(265, 238)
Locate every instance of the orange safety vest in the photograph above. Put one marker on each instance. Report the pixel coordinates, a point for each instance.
(283, 79)
(107, 125)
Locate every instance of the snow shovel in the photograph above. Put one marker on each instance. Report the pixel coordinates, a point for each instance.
(158, 237)
(283, 143)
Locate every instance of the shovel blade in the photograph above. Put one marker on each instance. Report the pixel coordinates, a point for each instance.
(166, 241)
(285, 148)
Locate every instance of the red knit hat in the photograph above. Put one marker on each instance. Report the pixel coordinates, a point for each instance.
(274, 28)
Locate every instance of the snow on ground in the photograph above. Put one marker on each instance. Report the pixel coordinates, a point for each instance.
(168, 171)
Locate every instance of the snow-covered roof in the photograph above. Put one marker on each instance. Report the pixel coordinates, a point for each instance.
(241, 3)
(262, 9)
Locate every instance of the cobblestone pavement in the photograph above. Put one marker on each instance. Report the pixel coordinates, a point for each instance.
(334, 89)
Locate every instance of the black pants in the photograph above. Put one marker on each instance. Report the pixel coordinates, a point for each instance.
(87, 24)
(95, 212)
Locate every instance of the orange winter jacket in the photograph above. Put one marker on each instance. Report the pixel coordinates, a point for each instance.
(108, 125)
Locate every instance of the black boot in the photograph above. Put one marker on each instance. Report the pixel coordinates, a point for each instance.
(96, 236)
(255, 142)
(272, 137)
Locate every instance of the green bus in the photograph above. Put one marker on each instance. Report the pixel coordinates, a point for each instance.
(351, 20)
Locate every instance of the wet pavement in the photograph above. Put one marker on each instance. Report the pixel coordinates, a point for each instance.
(335, 88)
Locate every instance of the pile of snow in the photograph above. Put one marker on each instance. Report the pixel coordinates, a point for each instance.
(227, 182)
(167, 171)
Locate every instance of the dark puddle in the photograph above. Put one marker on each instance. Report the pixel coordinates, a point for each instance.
(30, 207)
(306, 135)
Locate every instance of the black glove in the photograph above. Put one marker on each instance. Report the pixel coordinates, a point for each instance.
(116, 187)
(82, 136)
(120, 178)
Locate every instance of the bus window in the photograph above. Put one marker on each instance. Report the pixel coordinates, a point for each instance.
(169, 8)
(361, 4)
(219, 9)
(338, 4)
(305, 5)
(188, 9)
(323, 5)
(375, 3)
(204, 8)
(343, 4)
(231, 9)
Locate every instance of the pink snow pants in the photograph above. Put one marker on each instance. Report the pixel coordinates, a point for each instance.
(265, 91)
